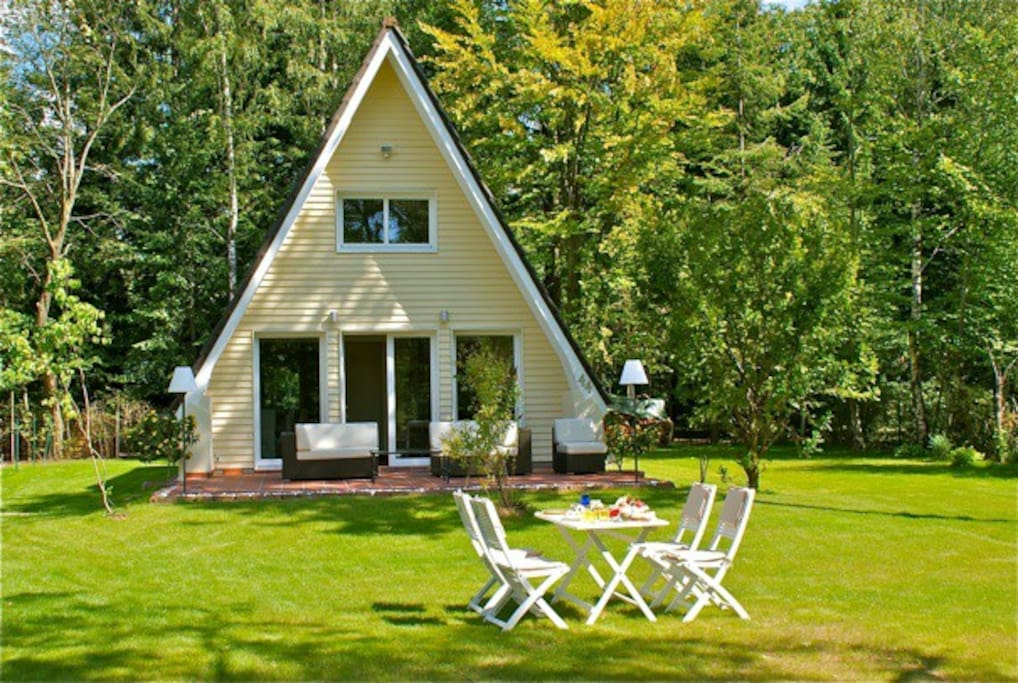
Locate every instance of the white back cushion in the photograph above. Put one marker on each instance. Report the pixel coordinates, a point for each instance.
(437, 433)
(512, 436)
(334, 435)
(575, 429)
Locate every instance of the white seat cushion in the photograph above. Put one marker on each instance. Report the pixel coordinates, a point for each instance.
(582, 448)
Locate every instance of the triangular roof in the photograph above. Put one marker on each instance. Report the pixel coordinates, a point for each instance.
(392, 45)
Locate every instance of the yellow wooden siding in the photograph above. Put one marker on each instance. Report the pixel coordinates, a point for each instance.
(383, 291)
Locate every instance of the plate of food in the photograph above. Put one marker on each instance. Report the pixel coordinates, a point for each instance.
(555, 512)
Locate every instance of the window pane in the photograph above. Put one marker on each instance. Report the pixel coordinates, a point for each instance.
(289, 388)
(408, 221)
(362, 221)
(413, 391)
(500, 346)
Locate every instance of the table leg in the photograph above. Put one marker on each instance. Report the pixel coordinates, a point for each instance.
(581, 561)
(619, 577)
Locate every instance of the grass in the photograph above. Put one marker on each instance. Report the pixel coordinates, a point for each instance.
(852, 568)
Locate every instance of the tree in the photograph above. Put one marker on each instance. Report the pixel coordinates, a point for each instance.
(67, 84)
(757, 268)
(575, 112)
(943, 177)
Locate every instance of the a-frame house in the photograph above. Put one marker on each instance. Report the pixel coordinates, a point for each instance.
(388, 260)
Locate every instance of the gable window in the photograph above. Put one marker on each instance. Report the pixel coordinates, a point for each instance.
(402, 221)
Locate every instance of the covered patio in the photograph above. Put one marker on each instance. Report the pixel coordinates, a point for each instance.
(391, 481)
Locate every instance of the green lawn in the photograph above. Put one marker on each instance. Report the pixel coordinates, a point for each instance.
(852, 568)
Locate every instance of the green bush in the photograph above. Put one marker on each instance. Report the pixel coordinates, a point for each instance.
(940, 447)
(964, 456)
(910, 450)
(160, 435)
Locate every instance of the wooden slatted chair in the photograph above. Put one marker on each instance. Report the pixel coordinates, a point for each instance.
(697, 575)
(518, 572)
(692, 522)
(478, 603)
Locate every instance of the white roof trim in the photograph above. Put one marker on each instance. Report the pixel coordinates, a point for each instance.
(576, 373)
(391, 48)
(339, 131)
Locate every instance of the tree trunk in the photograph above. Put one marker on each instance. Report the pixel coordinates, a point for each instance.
(1000, 373)
(50, 384)
(231, 170)
(753, 476)
(920, 424)
(855, 423)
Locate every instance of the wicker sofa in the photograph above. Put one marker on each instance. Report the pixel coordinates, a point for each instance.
(517, 444)
(330, 451)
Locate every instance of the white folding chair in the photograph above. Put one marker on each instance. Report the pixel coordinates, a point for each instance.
(693, 520)
(516, 571)
(470, 525)
(477, 603)
(696, 575)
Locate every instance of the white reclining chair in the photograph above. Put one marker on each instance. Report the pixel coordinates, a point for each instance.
(515, 571)
(697, 574)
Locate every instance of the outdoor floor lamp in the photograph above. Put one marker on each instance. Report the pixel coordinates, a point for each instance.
(633, 374)
(182, 383)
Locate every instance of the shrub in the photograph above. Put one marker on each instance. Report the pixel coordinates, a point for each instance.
(910, 450)
(964, 456)
(493, 381)
(940, 447)
(159, 435)
(628, 437)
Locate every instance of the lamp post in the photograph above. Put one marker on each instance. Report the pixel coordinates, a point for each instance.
(182, 383)
(633, 374)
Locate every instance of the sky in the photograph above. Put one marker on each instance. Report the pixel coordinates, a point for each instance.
(787, 4)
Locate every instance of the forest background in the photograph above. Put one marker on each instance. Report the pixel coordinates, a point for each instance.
(805, 223)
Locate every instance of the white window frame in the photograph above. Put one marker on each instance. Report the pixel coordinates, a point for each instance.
(416, 194)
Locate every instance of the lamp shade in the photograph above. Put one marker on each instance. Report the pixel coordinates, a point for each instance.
(633, 373)
(183, 380)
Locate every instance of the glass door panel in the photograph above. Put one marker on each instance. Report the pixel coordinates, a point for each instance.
(289, 389)
(412, 378)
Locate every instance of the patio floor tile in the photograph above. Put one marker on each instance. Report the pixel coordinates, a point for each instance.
(391, 481)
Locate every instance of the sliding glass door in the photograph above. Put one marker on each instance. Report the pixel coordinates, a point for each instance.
(389, 380)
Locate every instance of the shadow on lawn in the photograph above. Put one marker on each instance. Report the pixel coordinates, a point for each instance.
(886, 513)
(124, 489)
(993, 471)
(91, 636)
(417, 515)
